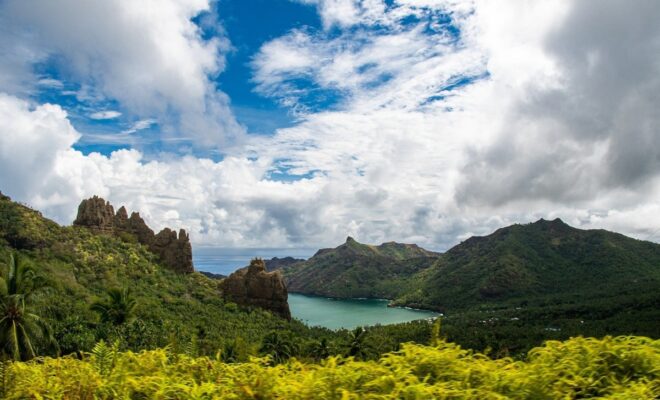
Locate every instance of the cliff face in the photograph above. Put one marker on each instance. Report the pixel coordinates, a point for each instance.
(175, 252)
(254, 286)
(96, 214)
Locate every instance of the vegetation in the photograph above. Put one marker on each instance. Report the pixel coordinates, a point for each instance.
(20, 327)
(154, 333)
(510, 290)
(118, 309)
(112, 289)
(612, 368)
(355, 270)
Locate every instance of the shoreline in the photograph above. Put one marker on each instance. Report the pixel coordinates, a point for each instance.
(389, 301)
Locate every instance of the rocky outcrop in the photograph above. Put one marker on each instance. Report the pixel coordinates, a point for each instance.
(254, 286)
(174, 251)
(96, 214)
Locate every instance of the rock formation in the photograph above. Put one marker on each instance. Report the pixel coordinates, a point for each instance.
(96, 214)
(175, 252)
(254, 286)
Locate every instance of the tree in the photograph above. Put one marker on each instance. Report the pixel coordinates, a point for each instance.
(320, 349)
(118, 309)
(20, 326)
(278, 346)
(356, 343)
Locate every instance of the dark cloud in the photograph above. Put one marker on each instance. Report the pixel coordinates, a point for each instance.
(597, 130)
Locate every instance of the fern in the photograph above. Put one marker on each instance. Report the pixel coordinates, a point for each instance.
(624, 367)
(105, 356)
(191, 348)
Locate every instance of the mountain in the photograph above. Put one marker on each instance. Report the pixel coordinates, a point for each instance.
(547, 260)
(212, 275)
(281, 263)
(359, 270)
(507, 290)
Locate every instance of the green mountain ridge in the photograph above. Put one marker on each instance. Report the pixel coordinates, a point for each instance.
(543, 260)
(546, 272)
(358, 270)
(517, 286)
(507, 303)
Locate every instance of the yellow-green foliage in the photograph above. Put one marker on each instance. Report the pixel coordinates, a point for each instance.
(612, 368)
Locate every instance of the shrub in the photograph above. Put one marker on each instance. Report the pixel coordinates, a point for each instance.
(616, 368)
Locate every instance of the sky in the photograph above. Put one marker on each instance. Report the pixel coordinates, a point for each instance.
(296, 123)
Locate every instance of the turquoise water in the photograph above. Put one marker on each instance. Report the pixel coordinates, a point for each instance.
(349, 313)
(314, 311)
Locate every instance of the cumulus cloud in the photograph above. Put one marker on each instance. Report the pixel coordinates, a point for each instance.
(533, 110)
(585, 125)
(150, 57)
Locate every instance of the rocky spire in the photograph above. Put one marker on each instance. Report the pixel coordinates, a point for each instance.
(96, 214)
(254, 286)
(175, 252)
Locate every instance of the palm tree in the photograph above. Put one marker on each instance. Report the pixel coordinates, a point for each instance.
(279, 347)
(118, 308)
(321, 349)
(20, 327)
(356, 345)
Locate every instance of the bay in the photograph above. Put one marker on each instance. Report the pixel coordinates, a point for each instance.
(350, 313)
(312, 310)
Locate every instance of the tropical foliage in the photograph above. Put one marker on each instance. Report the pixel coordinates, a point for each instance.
(612, 368)
(20, 326)
(118, 309)
(148, 306)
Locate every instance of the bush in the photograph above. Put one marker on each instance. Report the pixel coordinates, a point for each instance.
(616, 368)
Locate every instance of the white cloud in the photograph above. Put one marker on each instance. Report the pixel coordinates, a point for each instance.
(552, 132)
(109, 114)
(402, 67)
(50, 83)
(148, 56)
(139, 125)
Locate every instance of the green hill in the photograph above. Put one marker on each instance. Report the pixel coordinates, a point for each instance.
(359, 270)
(508, 290)
(546, 260)
(81, 266)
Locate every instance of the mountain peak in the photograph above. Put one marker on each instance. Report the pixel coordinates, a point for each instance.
(555, 225)
(349, 239)
(556, 221)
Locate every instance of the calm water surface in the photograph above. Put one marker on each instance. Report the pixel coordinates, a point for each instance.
(349, 313)
(314, 311)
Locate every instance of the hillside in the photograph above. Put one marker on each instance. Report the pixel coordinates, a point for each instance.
(359, 270)
(544, 260)
(80, 266)
(508, 290)
(186, 311)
